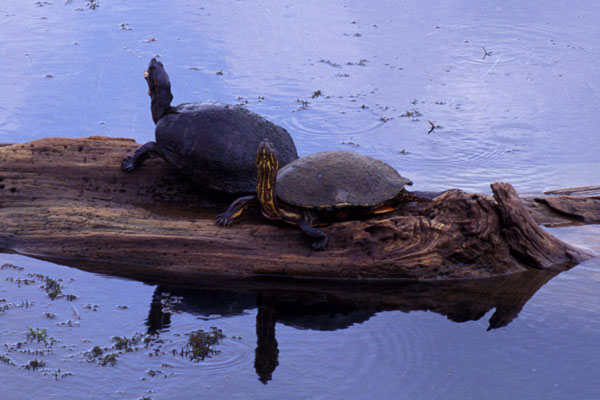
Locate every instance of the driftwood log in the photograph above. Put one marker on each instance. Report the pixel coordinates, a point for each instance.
(68, 201)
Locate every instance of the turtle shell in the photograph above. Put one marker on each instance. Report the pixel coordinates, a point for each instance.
(338, 179)
(215, 144)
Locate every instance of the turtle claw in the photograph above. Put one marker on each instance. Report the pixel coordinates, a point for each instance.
(128, 164)
(320, 244)
(224, 219)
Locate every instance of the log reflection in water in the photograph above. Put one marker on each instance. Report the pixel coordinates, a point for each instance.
(333, 305)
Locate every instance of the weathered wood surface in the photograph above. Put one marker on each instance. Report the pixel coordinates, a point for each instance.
(67, 200)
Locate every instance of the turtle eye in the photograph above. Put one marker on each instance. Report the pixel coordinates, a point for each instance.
(146, 74)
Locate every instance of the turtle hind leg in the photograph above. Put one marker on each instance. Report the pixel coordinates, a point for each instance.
(236, 210)
(140, 155)
(311, 231)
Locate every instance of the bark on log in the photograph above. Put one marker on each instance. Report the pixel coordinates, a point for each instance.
(67, 200)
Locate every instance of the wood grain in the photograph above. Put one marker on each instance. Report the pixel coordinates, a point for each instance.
(68, 200)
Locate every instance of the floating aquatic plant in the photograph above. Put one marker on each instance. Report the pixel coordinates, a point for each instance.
(201, 344)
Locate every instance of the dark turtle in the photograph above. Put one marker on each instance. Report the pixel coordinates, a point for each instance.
(213, 143)
(319, 189)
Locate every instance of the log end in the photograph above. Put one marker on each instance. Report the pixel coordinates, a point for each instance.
(528, 242)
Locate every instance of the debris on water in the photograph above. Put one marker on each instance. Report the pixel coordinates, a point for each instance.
(60, 374)
(414, 114)
(242, 101)
(433, 127)
(350, 143)
(20, 281)
(361, 63)
(53, 288)
(96, 351)
(35, 364)
(128, 344)
(40, 335)
(109, 359)
(92, 4)
(11, 266)
(303, 104)
(219, 73)
(486, 53)
(49, 76)
(6, 360)
(104, 357)
(330, 63)
(68, 323)
(126, 27)
(153, 373)
(201, 344)
(316, 94)
(149, 40)
(403, 151)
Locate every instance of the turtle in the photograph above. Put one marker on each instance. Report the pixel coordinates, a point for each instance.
(212, 143)
(319, 189)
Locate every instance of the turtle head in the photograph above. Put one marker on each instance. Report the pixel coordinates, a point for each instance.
(159, 89)
(267, 166)
(266, 160)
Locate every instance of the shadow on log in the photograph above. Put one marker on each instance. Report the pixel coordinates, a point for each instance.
(67, 200)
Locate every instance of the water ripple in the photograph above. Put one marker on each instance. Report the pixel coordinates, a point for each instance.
(504, 44)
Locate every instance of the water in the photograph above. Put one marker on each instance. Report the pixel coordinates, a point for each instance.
(514, 89)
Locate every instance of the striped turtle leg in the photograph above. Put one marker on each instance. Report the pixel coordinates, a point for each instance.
(236, 210)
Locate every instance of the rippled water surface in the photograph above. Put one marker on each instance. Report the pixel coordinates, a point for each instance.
(513, 91)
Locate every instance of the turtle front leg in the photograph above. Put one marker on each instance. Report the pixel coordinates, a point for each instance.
(140, 155)
(306, 225)
(236, 210)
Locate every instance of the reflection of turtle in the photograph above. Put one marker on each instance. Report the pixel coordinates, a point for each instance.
(213, 143)
(323, 187)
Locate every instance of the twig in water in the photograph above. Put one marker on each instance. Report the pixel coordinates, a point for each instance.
(486, 53)
(432, 127)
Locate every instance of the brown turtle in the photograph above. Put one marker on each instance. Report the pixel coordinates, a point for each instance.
(319, 189)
